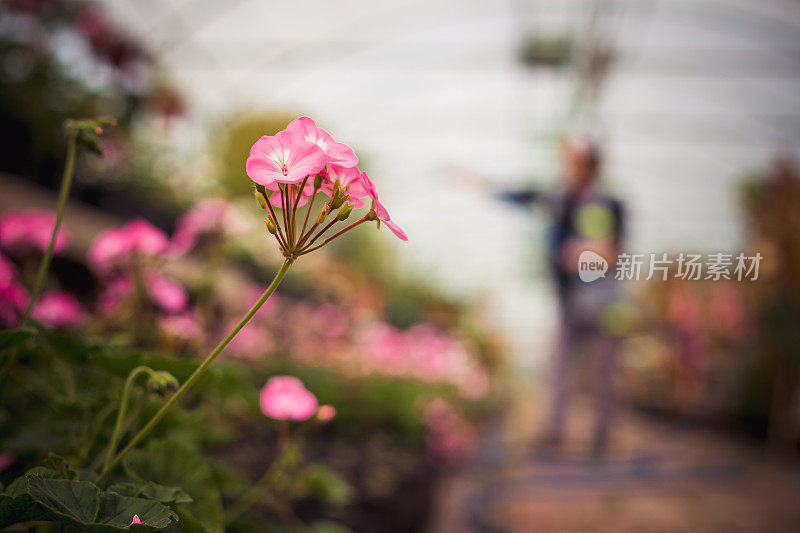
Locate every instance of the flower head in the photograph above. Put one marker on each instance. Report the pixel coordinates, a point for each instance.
(30, 230)
(338, 153)
(326, 413)
(285, 157)
(211, 214)
(285, 398)
(116, 245)
(58, 309)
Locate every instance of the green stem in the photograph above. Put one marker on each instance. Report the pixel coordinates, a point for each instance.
(307, 248)
(44, 264)
(123, 407)
(197, 373)
(63, 195)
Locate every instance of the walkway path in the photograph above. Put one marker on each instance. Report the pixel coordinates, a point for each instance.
(657, 478)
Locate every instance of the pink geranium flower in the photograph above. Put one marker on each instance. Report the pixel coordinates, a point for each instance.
(285, 398)
(183, 326)
(211, 214)
(58, 309)
(116, 245)
(167, 294)
(365, 188)
(338, 153)
(30, 230)
(136, 520)
(285, 157)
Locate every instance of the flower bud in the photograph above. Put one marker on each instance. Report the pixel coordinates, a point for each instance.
(271, 227)
(162, 382)
(323, 214)
(344, 212)
(260, 199)
(339, 197)
(326, 413)
(318, 181)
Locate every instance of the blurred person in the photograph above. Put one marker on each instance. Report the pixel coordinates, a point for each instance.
(583, 219)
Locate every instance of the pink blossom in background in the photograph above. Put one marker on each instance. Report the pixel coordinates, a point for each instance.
(167, 294)
(386, 349)
(450, 437)
(286, 398)
(184, 326)
(115, 293)
(13, 298)
(208, 215)
(58, 309)
(30, 230)
(254, 341)
(326, 413)
(115, 246)
(285, 157)
(7, 459)
(337, 153)
(136, 520)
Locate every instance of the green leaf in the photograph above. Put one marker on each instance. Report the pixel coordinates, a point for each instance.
(79, 504)
(118, 511)
(152, 491)
(74, 500)
(326, 485)
(14, 509)
(204, 514)
(167, 463)
(12, 337)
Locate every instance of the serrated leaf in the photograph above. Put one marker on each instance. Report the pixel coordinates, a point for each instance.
(152, 491)
(167, 463)
(73, 500)
(118, 511)
(14, 509)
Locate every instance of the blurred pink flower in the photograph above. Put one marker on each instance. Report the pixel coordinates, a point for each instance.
(183, 326)
(211, 214)
(326, 413)
(338, 153)
(7, 459)
(116, 245)
(30, 230)
(165, 293)
(383, 215)
(58, 309)
(13, 298)
(115, 293)
(285, 398)
(252, 342)
(285, 158)
(136, 520)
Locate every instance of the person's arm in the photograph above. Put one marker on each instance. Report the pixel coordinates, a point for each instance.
(521, 198)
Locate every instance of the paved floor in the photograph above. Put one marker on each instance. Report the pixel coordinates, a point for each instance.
(658, 477)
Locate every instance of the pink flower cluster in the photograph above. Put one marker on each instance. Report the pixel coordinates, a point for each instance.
(23, 231)
(450, 436)
(124, 254)
(332, 336)
(301, 152)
